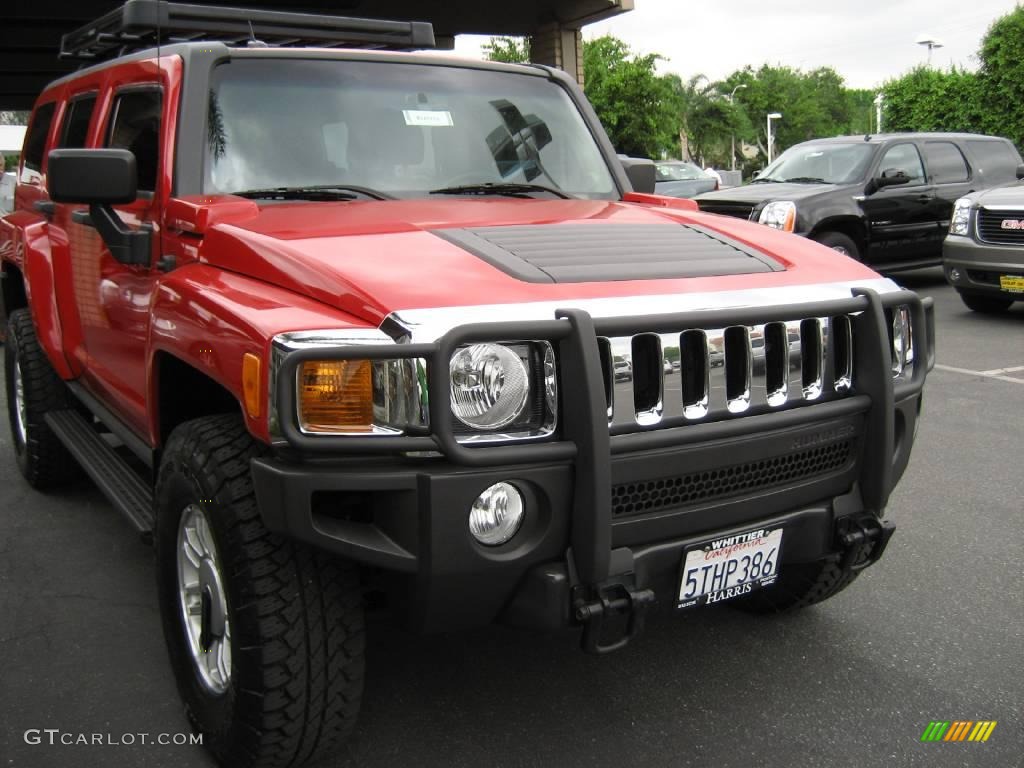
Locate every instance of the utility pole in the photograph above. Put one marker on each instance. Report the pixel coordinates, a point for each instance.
(878, 112)
(732, 97)
(771, 116)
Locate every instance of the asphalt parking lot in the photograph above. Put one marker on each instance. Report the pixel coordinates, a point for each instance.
(934, 632)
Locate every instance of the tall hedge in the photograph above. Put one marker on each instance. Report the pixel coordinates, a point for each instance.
(989, 101)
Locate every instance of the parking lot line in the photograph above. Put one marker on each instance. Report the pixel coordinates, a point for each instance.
(997, 371)
(995, 374)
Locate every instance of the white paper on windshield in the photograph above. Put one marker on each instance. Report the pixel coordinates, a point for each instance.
(430, 118)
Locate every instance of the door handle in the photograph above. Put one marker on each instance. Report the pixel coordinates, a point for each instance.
(925, 197)
(45, 207)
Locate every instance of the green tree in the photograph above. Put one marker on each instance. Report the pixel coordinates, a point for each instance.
(512, 50)
(861, 109)
(1001, 86)
(709, 120)
(639, 109)
(991, 101)
(813, 105)
(926, 99)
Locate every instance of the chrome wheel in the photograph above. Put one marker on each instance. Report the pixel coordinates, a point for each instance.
(204, 608)
(841, 249)
(20, 415)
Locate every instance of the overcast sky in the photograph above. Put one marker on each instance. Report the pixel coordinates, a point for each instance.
(866, 41)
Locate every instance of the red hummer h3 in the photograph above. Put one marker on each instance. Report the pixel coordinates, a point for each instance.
(326, 321)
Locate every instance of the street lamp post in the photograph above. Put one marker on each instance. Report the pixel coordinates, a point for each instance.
(771, 116)
(878, 112)
(931, 42)
(732, 97)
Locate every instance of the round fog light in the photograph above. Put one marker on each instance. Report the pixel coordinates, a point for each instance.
(496, 514)
(954, 275)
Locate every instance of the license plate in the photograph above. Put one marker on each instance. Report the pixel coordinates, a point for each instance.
(1012, 283)
(729, 567)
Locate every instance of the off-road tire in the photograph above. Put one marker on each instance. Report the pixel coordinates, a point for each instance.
(42, 458)
(985, 303)
(798, 586)
(297, 632)
(837, 241)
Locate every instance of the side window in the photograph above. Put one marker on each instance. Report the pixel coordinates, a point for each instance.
(76, 122)
(995, 158)
(35, 144)
(946, 162)
(135, 126)
(905, 158)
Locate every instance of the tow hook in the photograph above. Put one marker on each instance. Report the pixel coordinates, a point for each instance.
(598, 611)
(862, 540)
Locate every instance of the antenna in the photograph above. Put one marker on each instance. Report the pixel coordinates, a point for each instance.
(252, 42)
(158, 194)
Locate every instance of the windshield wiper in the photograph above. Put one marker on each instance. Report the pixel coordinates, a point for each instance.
(318, 192)
(805, 180)
(489, 188)
(765, 180)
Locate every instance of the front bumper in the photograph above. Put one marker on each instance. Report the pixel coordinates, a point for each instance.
(597, 511)
(980, 265)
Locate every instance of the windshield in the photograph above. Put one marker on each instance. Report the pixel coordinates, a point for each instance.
(828, 163)
(401, 130)
(679, 172)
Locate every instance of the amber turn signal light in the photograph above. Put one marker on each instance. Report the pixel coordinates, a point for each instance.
(336, 396)
(251, 384)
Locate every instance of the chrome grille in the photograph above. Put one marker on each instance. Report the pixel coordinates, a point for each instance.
(726, 372)
(990, 226)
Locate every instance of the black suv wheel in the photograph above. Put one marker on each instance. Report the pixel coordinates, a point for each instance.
(265, 636)
(837, 241)
(988, 304)
(33, 388)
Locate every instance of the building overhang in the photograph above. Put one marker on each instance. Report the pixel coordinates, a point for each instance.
(31, 29)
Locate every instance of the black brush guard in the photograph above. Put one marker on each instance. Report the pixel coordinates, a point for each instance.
(599, 590)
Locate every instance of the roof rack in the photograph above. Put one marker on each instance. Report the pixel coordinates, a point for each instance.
(141, 24)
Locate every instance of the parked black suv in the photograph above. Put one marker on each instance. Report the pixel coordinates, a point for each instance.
(885, 200)
(983, 255)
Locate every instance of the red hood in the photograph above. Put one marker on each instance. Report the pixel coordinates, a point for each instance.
(372, 258)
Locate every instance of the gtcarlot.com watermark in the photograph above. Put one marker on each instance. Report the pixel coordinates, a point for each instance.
(56, 737)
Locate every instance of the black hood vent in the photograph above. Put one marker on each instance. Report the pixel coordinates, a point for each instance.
(592, 252)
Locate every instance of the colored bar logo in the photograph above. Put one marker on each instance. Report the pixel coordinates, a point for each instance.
(958, 730)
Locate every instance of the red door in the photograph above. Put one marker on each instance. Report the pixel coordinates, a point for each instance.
(113, 299)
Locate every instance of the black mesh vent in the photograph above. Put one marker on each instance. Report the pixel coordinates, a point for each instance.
(652, 495)
(726, 208)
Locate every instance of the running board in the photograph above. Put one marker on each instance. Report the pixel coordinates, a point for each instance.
(119, 483)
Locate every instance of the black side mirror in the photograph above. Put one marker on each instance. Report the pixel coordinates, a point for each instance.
(641, 173)
(1020, 171)
(92, 176)
(100, 178)
(890, 178)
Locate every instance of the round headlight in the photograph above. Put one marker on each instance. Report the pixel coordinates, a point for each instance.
(489, 386)
(496, 514)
